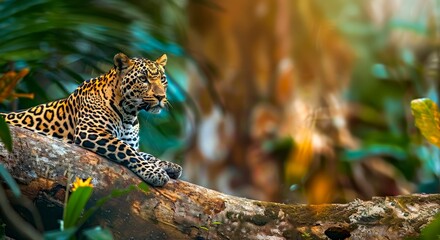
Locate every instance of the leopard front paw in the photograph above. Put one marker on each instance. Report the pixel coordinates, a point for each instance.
(173, 170)
(153, 175)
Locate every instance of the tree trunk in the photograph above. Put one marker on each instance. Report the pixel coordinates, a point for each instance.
(182, 210)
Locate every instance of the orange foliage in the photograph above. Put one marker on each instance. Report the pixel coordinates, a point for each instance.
(321, 188)
(299, 160)
(9, 81)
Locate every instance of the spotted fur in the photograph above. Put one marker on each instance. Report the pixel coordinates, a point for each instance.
(101, 115)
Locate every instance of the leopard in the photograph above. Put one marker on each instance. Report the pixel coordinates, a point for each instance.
(101, 115)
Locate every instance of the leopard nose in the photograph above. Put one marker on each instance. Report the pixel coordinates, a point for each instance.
(159, 97)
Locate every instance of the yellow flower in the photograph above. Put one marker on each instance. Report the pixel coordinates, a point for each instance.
(80, 183)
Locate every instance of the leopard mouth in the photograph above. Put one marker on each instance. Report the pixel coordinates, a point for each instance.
(152, 108)
(155, 110)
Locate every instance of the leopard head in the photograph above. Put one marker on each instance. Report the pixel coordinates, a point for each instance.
(143, 82)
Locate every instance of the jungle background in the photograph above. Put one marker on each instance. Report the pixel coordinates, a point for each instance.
(278, 100)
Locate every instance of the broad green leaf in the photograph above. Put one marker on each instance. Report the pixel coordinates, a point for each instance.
(98, 233)
(6, 176)
(427, 119)
(75, 206)
(432, 231)
(5, 134)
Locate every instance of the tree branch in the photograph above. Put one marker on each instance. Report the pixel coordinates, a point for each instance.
(182, 210)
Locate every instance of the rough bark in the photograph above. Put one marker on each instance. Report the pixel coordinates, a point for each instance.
(182, 210)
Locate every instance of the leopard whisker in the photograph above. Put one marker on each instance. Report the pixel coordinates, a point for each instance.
(168, 105)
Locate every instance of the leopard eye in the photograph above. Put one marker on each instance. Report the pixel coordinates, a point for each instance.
(143, 78)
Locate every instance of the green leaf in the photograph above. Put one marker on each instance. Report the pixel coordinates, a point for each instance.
(375, 150)
(10, 181)
(102, 201)
(60, 235)
(143, 187)
(427, 119)
(5, 134)
(432, 230)
(75, 205)
(98, 233)
(204, 228)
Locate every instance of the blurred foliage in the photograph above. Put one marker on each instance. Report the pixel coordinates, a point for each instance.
(98, 233)
(432, 230)
(336, 77)
(8, 212)
(64, 43)
(298, 164)
(8, 83)
(57, 235)
(427, 119)
(426, 116)
(10, 182)
(2, 230)
(5, 134)
(397, 52)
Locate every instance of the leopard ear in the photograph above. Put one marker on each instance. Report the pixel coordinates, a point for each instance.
(162, 60)
(121, 61)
